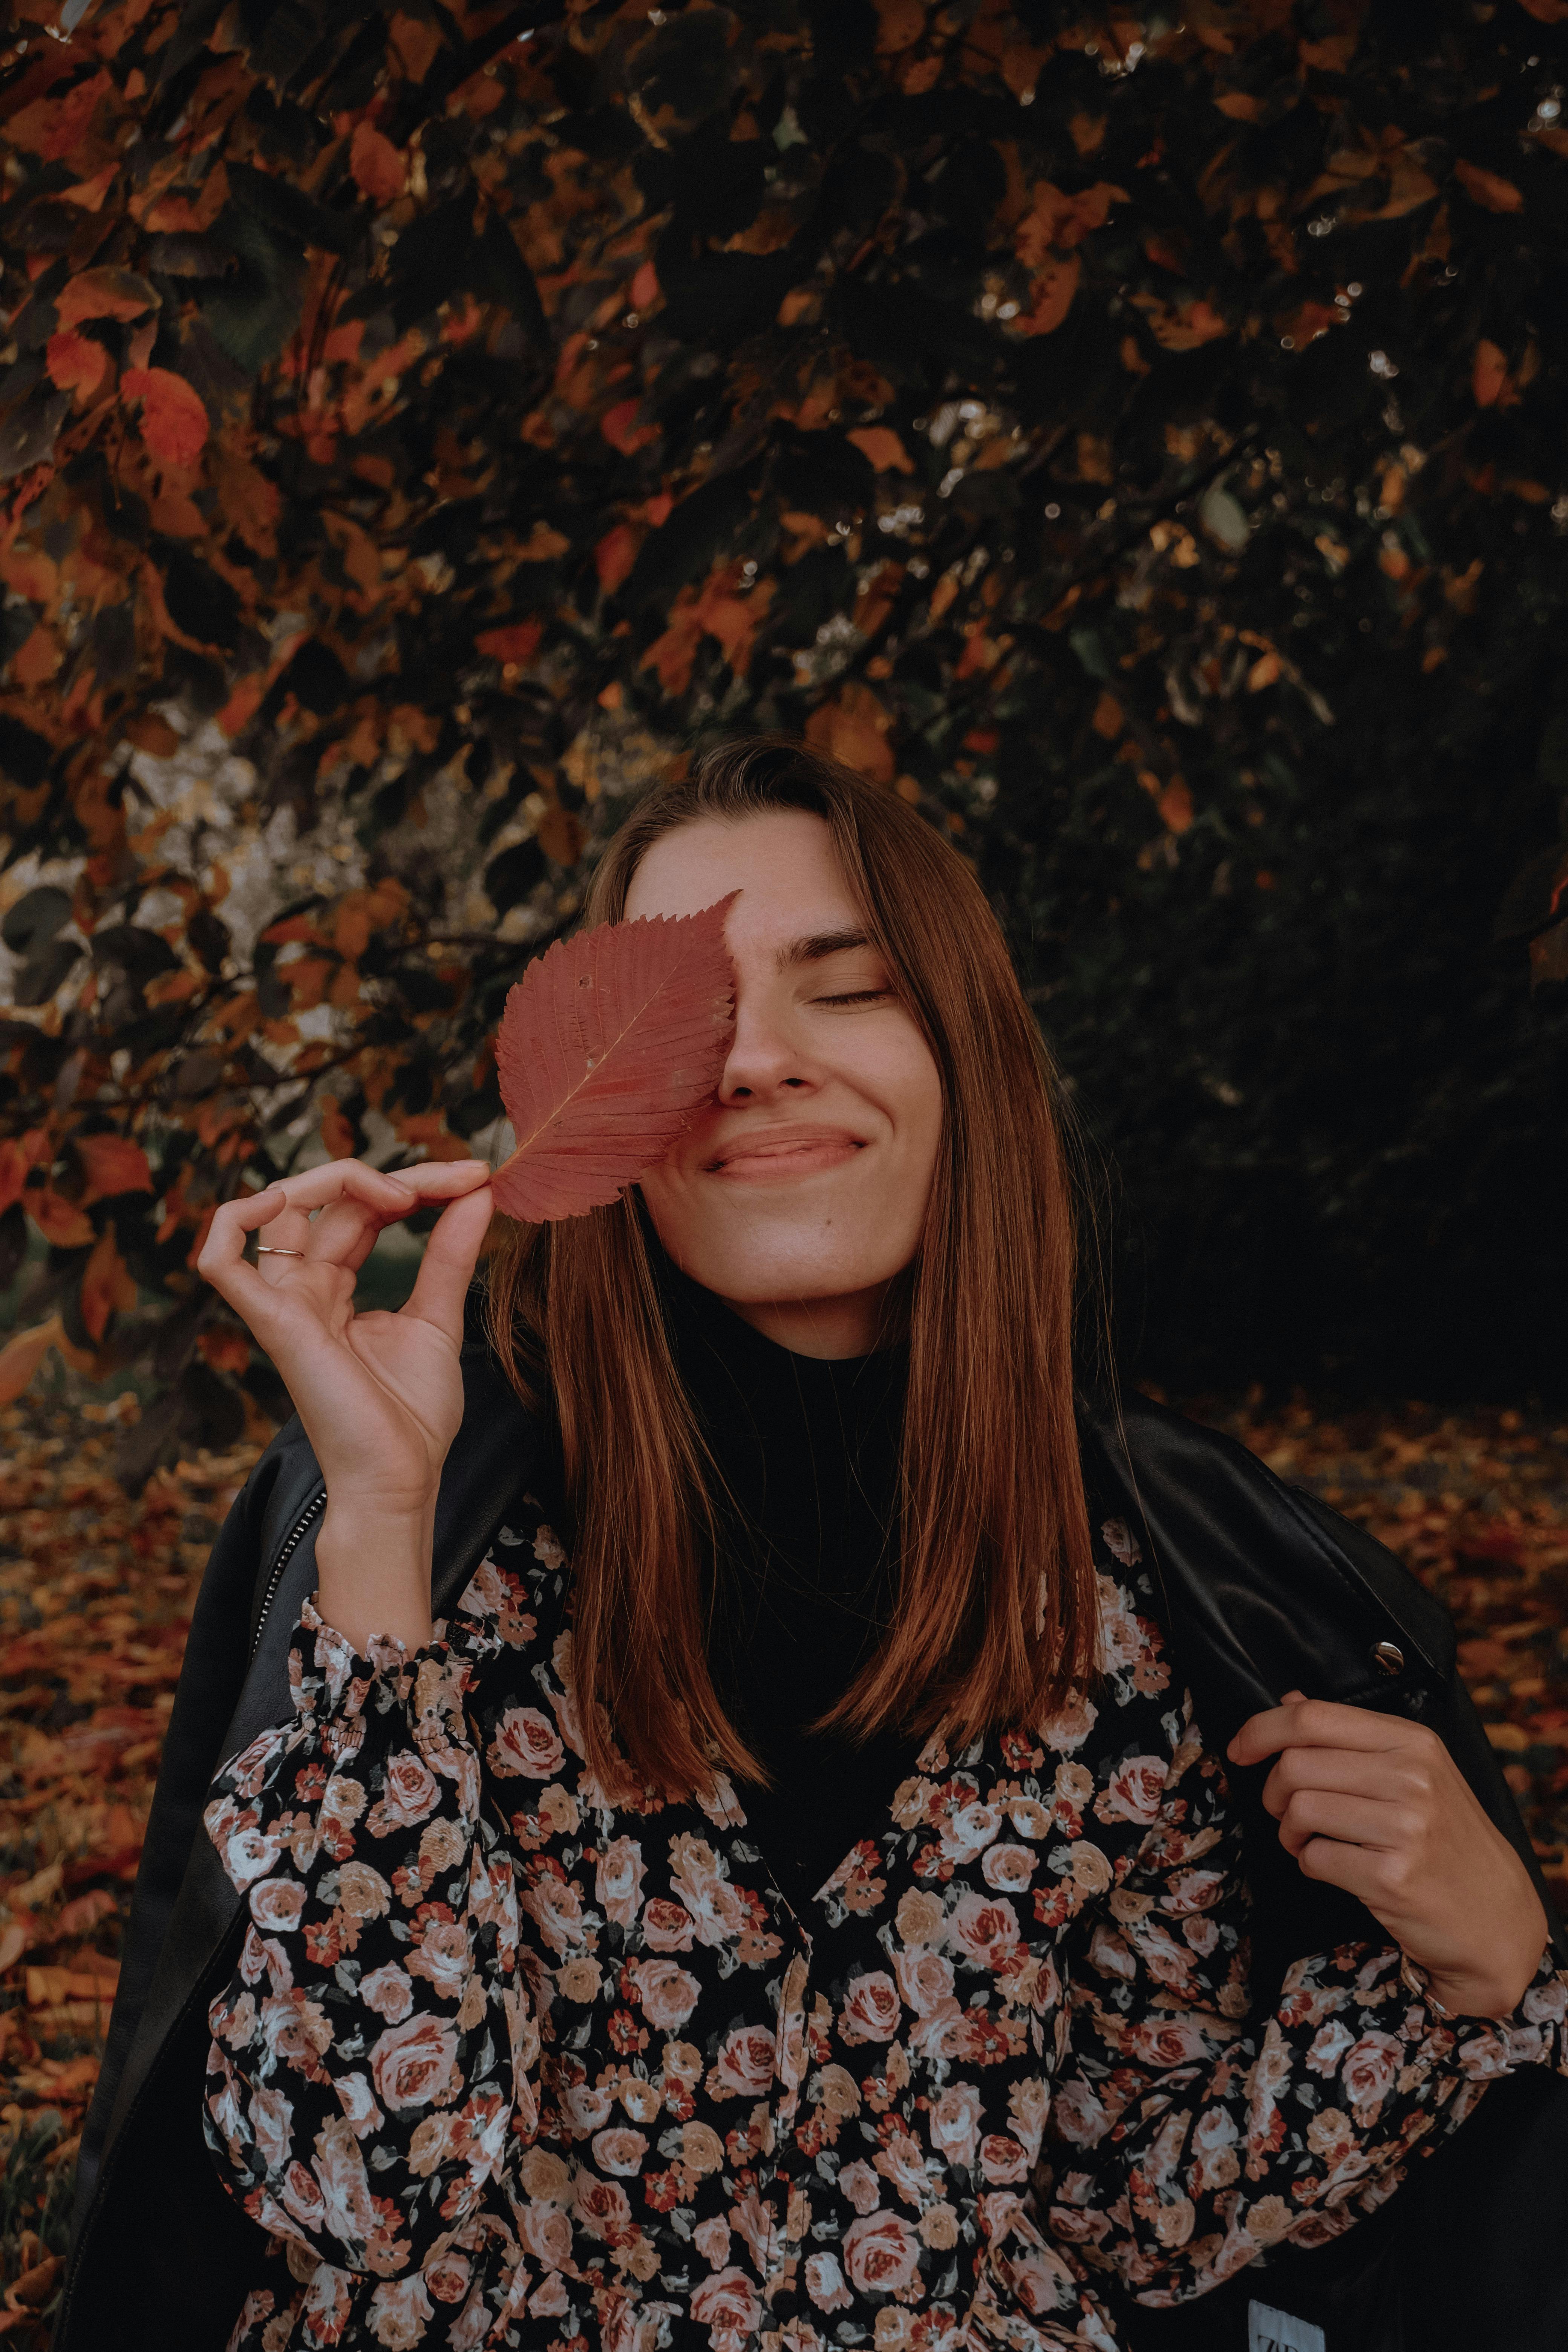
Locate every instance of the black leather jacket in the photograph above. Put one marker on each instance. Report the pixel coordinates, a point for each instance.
(1265, 1589)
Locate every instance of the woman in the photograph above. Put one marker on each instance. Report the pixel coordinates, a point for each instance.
(689, 1939)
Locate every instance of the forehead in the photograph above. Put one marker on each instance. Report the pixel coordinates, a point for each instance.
(781, 861)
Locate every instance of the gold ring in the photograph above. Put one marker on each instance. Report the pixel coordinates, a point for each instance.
(265, 1249)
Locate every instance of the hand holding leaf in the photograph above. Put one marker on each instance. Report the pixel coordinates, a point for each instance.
(608, 1047)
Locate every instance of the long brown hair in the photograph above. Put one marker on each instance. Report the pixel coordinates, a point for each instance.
(995, 1618)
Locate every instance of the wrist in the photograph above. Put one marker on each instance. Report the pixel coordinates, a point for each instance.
(1469, 1993)
(387, 1509)
(372, 1569)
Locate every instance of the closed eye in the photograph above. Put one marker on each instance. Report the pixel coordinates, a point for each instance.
(857, 996)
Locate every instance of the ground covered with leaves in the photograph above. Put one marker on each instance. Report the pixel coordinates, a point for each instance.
(95, 1598)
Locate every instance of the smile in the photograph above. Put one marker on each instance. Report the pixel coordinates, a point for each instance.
(780, 1152)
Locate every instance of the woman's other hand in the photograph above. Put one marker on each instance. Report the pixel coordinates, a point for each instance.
(381, 1395)
(1378, 1806)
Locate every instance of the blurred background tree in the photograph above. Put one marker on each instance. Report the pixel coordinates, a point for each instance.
(1135, 435)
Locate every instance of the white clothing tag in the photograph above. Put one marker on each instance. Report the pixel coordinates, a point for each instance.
(1276, 2331)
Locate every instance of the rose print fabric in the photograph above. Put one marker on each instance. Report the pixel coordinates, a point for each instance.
(504, 2064)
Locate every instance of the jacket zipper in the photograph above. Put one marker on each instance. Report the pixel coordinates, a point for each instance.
(296, 1537)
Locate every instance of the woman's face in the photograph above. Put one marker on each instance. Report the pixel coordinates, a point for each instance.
(801, 1191)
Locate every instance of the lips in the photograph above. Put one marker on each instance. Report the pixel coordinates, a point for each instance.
(793, 1150)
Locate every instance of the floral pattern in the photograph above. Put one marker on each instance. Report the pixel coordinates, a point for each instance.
(506, 2065)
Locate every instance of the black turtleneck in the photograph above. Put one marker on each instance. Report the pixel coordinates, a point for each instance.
(802, 1582)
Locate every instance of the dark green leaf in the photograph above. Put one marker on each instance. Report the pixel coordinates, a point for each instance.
(513, 875)
(259, 307)
(33, 919)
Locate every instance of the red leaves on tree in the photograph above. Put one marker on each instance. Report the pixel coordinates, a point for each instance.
(75, 363)
(112, 1165)
(148, 547)
(1489, 189)
(376, 166)
(174, 421)
(519, 642)
(609, 1046)
(1490, 379)
(104, 294)
(19, 1153)
(106, 1285)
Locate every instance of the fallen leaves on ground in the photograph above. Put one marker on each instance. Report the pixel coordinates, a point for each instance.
(95, 1598)
(96, 1593)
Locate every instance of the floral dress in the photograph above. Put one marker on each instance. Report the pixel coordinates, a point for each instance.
(505, 2064)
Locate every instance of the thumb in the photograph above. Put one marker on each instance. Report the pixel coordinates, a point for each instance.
(450, 1256)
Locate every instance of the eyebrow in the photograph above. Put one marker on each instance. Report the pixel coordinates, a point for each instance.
(819, 945)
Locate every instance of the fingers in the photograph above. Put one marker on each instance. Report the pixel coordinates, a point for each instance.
(450, 1256)
(346, 1231)
(222, 1260)
(359, 1201)
(356, 1202)
(1365, 1872)
(1318, 1723)
(1413, 1774)
(1351, 1821)
(340, 1234)
(318, 1186)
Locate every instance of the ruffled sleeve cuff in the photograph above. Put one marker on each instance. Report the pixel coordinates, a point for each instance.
(1533, 2034)
(343, 1687)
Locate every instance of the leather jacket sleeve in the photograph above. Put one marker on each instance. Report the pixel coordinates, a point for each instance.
(217, 1656)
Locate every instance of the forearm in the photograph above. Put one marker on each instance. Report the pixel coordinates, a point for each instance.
(1186, 2141)
(379, 1978)
(1207, 2164)
(372, 1565)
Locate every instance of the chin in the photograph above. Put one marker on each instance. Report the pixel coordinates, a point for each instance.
(755, 1246)
(783, 1290)
(754, 1267)
(753, 1281)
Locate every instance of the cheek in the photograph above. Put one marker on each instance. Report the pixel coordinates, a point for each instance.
(907, 1085)
(668, 1209)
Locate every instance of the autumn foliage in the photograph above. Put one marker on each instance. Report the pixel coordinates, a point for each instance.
(1132, 437)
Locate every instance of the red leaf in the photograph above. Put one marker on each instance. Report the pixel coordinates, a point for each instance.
(1490, 382)
(1489, 188)
(75, 363)
(59, 1221)
(614, 555)
(518, 641)
(105, 1285)
(104, 294)
(173, 419)
(112, 1165)
(608, 1047)
(1051, 295)
(377, 165)
(19, 1359)
(622, 431)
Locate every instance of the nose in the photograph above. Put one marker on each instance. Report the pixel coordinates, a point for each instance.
(769, 1055)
